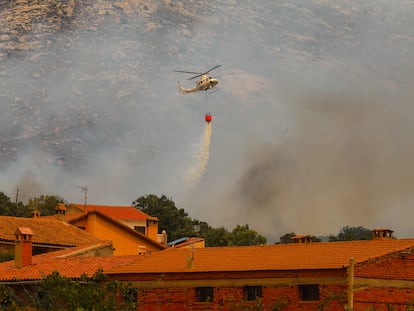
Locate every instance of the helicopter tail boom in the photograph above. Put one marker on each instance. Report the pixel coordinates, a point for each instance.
(186, 91)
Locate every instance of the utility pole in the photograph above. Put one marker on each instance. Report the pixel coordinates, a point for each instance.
(17, 196)
(85, 191)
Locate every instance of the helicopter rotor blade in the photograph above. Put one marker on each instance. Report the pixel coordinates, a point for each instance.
(204, 73)
(195, 73)
(199, 75)
(212, 69)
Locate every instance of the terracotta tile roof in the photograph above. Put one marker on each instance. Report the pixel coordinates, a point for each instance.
(124, 227)
(323, 255)
(23, 230)
(116, 212)
(68, 217)
(64, 262)
(45, 231)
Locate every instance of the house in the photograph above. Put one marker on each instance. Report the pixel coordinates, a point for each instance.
(126, 240)
(131, 231)
(70, 262)
(48, 235)
(361, 275)
(128, 215)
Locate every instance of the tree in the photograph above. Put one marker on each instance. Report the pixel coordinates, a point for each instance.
(178, 224)
(214, 236)
(6, 205)
(287, 238)
(56, 292)
(172, 219)
(348, 233)
(243, 236)
(8, 208)
(45, 204)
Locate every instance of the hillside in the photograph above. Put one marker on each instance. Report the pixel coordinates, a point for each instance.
(88, 95)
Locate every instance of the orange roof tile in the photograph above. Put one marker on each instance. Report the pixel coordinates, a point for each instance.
(116, 212)
(23, 230)
(63, 262)
(322, 255)
(68, 217)
(119, 224)
(45, 231)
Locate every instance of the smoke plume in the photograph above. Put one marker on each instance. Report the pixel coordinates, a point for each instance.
(312, 120)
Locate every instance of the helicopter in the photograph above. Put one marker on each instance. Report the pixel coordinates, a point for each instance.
(205, 82)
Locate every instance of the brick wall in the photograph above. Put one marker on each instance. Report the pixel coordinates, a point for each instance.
(232, 298)
(394, 266)
(178, 292)
(380, 284)
(385, 283)
(382, 299)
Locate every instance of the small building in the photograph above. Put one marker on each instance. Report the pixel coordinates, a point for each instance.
(131, 231)
(128, 215)
(28, 268)
(359, 275)
(48, 235)
(126, 240)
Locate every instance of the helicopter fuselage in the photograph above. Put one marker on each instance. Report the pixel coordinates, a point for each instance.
(203, 84)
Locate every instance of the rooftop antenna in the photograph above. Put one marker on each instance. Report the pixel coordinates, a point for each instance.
(85, 191)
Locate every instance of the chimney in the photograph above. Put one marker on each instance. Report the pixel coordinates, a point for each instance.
(382, 233)
(36, 213)
(162, 238)
(301, 239)
(60, 212)
(23, 247)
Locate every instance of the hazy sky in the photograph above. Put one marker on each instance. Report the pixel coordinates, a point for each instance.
(311, 125)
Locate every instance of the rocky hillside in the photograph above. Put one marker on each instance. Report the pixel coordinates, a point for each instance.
(88, 88)
(59, 57)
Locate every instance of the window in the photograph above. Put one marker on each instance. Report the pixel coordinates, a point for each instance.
(139, 229)
(309, 292)
(252, 292)
(204, 294)
(130, 295)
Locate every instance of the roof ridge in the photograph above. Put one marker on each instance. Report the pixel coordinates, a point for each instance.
(83, 250)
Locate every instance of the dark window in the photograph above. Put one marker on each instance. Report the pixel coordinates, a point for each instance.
(309, 292)
(204, 294)
(139, 229)
(252, 292)
(130, 295)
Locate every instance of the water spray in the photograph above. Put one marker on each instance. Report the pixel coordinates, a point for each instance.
(200, 166)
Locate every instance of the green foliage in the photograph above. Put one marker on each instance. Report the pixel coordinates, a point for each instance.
(56, 292)
(257, 305)
(332, 297)
(214, 236)
(280, 304)
(348, 233)
(172, 219)
(6, 255)
(287, 238)
(8, 208)
(178, 224)
(45, 204)
(242, 235)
